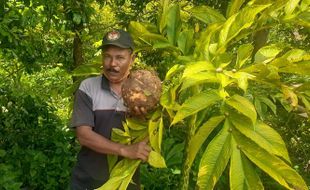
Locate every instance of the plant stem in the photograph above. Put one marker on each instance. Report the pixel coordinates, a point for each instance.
(186, 165)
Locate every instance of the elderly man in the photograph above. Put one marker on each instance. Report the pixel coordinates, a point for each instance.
(98, 107)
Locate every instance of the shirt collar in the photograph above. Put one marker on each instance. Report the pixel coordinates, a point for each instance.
(105, 83)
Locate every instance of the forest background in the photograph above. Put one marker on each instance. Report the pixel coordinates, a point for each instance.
(257, 55)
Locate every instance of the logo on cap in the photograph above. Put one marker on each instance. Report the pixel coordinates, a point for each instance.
(114, 35)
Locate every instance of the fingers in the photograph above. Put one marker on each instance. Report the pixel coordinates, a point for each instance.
(140, 110)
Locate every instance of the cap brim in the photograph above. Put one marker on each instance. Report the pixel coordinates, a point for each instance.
(114, 44)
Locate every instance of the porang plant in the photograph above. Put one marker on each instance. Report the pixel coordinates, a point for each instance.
(221, 86)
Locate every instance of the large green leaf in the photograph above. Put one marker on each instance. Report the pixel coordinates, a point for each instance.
(243, 54)
(301, 68)
(238, 22)
(163, 15)
(243, 105)
(234, 7)
(201, 135)
(215, 159)
(156, 160)
(291, 6)
(196, 103)
(207, 14)
(267, 53)
(196, 67)
(173, 24)
(272, 165)
(242, 173)
(198, 78)
(121, 175)
(185, 41)
(155, 131)
(263, 135)
(203, 43)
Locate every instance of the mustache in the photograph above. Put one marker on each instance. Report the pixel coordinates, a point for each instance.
(112, 70)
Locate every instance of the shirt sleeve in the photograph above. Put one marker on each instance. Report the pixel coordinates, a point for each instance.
(83, 113)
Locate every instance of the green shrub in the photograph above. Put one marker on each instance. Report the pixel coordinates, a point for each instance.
(36, 149)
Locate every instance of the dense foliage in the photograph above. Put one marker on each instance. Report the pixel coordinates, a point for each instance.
(235, 76)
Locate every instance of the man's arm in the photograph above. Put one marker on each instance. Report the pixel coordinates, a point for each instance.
(87, 137)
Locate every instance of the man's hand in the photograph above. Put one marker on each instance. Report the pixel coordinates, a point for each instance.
(140, 150)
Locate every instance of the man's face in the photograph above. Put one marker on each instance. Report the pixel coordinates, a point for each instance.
(116, 63)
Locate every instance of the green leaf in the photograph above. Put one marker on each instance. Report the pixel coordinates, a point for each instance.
(263, 135)
(77, 18)
(198, 78)
(267, 53)
(173, 24)
(215, 159)
(196, 67)
(201, 135)
(173, 70)
(243, 105)
(136, 124)
(121, 173)
(269, 103)
(185, 41)
(207, 14)
(243, 54)
(156, 160)
(155, 131)
(196, 103)
(272, 165)
(291, 6)
(234, 7)
(137, 29)
(238, 22)
(294, 55)
(242, 173)
(163, 15)
(168, 98)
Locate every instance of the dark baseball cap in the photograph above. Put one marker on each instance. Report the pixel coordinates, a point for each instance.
(118, 37)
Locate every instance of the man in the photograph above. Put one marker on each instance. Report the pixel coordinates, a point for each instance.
(98, 108)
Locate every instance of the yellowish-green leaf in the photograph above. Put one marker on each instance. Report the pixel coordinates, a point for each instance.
(173, 24)
(269, 103)
(267, 53)
(238, 22)
(207, 14)
(196, 103)
(136, 124)
(156, 160)
(196, 67)
(263, 135)
(290, 95)
(243, 54)
(291, 6)
(215, 159)
(185, 41)
(272, 165)
(168, 98)
(123, 170)
(234, 7)
(294, 55)
(201, 135)
(243, 105)
(173, 70)
(198, 78)
(155, 126)
(242, 173)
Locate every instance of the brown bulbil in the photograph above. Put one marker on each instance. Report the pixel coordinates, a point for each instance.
(142, 89)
